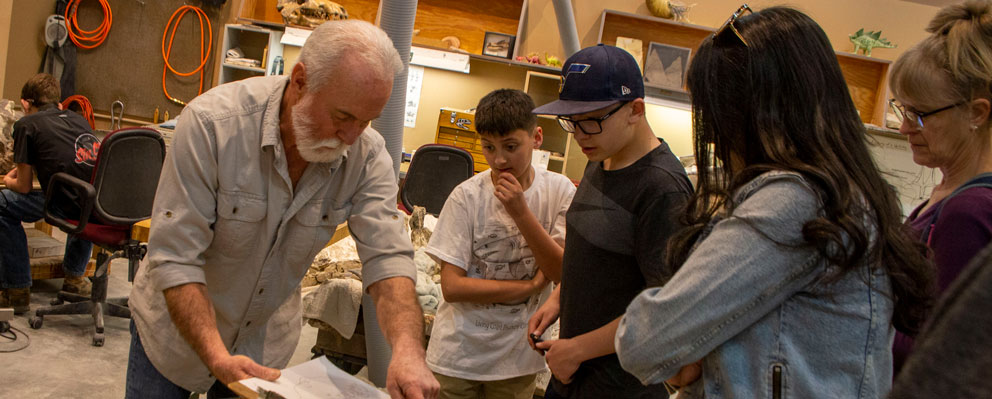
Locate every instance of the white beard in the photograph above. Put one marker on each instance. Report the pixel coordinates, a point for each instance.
(310, 148)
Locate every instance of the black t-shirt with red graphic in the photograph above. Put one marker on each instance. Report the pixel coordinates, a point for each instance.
(52, 141)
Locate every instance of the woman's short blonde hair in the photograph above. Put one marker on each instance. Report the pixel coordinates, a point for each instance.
(954, 63)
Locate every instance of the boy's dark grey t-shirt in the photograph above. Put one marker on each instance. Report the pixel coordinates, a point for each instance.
(52, 141)
(617, 229)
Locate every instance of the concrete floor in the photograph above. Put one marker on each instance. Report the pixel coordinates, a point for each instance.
(59, 360)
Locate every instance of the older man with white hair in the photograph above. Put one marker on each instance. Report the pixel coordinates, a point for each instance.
(260, 173)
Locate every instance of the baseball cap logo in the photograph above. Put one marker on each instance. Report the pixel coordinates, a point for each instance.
(574, 68)
(624, 90)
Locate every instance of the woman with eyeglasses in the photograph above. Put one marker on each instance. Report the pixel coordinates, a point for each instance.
(796, 264)
(942, 92)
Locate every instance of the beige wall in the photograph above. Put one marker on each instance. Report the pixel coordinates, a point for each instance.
(25, 42)
(456, 90)
(6, 9)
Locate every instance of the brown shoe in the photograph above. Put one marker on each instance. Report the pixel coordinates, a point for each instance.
(17, 298)
(77, 285)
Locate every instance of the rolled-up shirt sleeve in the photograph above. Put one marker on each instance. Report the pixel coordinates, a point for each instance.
(185, 206)
(377, 225)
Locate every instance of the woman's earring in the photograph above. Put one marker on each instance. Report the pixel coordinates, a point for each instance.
(974, 127)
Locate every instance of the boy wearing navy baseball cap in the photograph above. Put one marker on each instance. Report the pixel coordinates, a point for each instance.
(625, 209)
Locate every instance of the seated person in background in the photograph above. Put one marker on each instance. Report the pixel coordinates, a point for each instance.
(795, 265)
(494, 231)
(943, 96)
(624, 211)
(47, 140)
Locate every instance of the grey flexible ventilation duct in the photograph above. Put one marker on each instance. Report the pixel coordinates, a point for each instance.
(566, 27)
(396, 18)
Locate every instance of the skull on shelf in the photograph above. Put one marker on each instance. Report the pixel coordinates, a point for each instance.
(310, 12)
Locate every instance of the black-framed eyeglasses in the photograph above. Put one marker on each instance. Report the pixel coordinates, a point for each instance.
(915, 118)
(724, 33)
(589, 125)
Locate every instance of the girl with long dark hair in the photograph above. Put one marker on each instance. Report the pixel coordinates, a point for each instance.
(796, 265)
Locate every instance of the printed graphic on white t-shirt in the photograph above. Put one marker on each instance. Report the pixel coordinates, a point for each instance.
(488, 341)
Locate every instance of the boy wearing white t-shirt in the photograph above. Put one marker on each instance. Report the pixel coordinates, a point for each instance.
(493, 232)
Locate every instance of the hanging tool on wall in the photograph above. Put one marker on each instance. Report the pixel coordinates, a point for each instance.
(88, 39)
(53, 62)
(116, 115)
(60, 53)
(206, 37)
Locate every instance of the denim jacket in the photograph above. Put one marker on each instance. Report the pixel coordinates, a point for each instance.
(760, 314)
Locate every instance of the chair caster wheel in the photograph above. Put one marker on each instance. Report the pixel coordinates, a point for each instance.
(98, 340)
(35, 322)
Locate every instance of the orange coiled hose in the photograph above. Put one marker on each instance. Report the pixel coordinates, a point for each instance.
(87, 39)
(167, 50)
(86, 109)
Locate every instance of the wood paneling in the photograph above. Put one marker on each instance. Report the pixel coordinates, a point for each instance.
(467, 20)
(866, 81)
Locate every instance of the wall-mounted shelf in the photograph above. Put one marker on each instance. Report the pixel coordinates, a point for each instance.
(263, 12)
(649, 29)
(436, 19)
(866, 80)
(528, 65)
(865, 76)
(245, 68)
(256, 43)
(455, 57)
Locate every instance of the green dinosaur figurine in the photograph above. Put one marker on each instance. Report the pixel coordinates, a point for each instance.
(867, 41)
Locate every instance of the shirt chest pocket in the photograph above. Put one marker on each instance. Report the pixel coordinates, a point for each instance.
(238, 228)
(311, 228)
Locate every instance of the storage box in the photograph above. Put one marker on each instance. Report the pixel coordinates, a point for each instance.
(457, 128)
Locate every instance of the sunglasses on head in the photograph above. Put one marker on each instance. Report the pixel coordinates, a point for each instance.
(728, 33)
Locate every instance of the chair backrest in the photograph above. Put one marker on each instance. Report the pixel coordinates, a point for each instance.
(434, 171)
(126, 175)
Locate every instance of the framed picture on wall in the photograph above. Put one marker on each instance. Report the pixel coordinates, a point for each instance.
(498, 45)
(665, 66)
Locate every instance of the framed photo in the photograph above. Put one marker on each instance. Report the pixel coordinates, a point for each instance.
(498, 45)
(665, 66)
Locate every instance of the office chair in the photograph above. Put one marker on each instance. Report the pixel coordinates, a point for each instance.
(119, 195)
(434, 171)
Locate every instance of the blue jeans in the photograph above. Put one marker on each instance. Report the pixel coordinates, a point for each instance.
(15, 263)
(145, 382)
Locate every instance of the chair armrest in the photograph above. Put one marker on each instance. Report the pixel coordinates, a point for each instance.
(85, 191)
